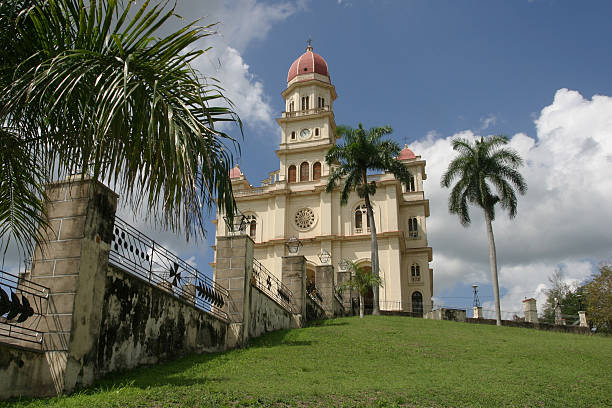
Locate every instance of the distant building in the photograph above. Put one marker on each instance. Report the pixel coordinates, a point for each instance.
(293, 201)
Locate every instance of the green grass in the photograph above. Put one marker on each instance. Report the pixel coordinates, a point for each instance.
(376, 361)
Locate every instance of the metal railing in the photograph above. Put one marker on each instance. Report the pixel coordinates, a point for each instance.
(272, 286)
(134, 252)
(313, 292)
(21, 300)
(305, 112)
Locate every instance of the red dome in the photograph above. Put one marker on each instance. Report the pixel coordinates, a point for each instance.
(406, 154)
(308, 63)
(235, 172)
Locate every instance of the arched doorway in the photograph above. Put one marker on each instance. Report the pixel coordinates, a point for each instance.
(417, 303)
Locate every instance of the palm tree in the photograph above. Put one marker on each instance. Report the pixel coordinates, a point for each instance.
(87, 87)
(362, 151)
(361, 281)
(478, 168)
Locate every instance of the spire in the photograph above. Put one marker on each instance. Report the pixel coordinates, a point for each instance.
(309, 47)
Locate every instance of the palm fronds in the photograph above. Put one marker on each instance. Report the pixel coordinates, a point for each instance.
(105, 96)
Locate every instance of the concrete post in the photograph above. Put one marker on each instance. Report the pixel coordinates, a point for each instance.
(233, 271)
(477, 312)
(294, 277)
(324, 277)
(73, 266)
(530, 310)
(583, 319)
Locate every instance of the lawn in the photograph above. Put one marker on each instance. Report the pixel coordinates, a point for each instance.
(375, 361)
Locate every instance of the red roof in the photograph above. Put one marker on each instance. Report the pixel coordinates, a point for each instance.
(235, 172)
(308, 63)
(406, 154)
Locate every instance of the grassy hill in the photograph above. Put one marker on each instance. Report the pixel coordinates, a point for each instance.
(377, 361)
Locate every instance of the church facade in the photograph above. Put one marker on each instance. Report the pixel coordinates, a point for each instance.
(292, 202)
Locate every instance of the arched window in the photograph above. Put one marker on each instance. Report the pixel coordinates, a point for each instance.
(316, 171)
(417, 303)
(253, 229)
(415, 270)
(291, 106)
(361, 215)
(413, 228)
(411, 184)
(291, 176)
(304, 171)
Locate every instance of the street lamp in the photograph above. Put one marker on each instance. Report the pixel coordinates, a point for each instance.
(324, 256)
(237, 223)
(293, 245)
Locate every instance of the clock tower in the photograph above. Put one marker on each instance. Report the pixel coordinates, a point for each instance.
(307, 124)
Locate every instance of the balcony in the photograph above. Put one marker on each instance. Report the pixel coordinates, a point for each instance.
(305, 112)
(361, 231)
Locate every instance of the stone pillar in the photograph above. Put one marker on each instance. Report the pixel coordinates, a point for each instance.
(324, 277)
(294, 277)
(73, 265)
(477, 312)
(343, 277)
(233, 271)
(583, 319)
(530, 310)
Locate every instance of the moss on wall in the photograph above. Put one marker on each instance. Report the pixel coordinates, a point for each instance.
(143, 324)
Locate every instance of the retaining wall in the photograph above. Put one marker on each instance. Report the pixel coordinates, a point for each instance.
(143, 324)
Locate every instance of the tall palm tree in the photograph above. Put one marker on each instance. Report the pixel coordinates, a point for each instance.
(87, 87)
(478, 168)
(364, 150)
(361, 281)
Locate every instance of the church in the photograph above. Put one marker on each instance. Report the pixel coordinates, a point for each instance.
(292, 202)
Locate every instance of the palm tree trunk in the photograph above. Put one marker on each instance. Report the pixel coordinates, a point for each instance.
(493, 262)
(361, 306)
(374, 254)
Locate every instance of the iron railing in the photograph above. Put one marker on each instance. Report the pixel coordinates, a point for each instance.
(134, 252)
(313, 292)
(305, 112)
(272, 286)
(20, 301)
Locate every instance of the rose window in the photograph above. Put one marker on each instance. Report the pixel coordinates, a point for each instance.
(304, 218)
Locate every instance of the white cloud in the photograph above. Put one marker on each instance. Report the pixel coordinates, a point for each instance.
(563, 219)
(241, 22)
(487, 122)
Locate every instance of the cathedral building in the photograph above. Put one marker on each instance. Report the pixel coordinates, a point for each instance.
(292, 201)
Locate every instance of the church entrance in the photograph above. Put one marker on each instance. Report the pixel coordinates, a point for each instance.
(417, 303)
(368, 299)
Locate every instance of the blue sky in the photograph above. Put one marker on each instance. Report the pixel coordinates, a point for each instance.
(434, 70)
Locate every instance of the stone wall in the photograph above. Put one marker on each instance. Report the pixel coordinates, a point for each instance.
(267, 315)
(143, 324)
(539, 326)
(23, 370)
(457, 315)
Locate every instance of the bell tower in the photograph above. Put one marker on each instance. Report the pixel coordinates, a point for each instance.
(307, 124)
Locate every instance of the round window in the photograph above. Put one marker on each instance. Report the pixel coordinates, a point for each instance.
(304, 218)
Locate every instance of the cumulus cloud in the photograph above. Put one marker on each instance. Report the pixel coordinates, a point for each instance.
(562, 221)
(241, 22)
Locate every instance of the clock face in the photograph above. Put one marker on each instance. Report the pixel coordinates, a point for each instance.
(305, 133)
